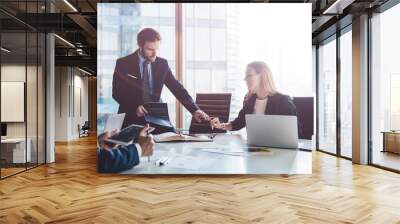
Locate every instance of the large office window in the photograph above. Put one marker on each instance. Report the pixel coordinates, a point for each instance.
(327, 96)
(335, 60)
(221, 39)
(346, 94)
(209, 66)
(385, 86)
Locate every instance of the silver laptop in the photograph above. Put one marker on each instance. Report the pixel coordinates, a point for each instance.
(276, 131)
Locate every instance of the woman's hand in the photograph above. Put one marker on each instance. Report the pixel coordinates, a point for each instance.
(215, 123)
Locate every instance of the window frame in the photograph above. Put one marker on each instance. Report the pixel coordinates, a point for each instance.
(334, 37)
(381, 9)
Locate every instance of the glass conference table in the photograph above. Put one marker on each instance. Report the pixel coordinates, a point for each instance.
(227, 154)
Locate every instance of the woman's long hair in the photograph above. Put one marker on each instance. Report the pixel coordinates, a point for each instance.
(266, 82)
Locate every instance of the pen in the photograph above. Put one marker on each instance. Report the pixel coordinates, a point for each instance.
(162, 161)
(258, 149)
(132, 76)
(148, 157)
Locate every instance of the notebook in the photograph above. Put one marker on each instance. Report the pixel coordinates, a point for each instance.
(174, 137)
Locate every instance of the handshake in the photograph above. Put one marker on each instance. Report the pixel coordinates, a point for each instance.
(200, 116)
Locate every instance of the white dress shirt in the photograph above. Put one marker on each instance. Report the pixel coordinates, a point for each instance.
(260, 106)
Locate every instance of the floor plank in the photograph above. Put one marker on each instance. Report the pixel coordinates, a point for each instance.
(71, 191)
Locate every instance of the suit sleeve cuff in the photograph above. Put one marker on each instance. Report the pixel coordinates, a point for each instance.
(139, 149)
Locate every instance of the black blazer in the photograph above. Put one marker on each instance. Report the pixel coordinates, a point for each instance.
(277, 104)
(127, 86)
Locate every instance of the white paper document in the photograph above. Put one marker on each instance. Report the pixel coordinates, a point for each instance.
(189, 162)
(245, 152)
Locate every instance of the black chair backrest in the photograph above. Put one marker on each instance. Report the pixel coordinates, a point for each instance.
(305, 113)
(86, 125)
(215, 105)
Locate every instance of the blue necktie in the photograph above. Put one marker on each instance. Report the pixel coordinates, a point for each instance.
(147, 83)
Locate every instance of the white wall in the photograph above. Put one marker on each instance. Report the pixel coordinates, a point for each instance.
(61, 103)
(70, 84)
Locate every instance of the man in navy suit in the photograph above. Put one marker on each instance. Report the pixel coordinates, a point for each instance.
(140, 77)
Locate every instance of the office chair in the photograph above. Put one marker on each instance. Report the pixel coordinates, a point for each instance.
(215, 105)
(305, 114)
(84, 130)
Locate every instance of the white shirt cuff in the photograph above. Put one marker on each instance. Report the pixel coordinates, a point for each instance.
(139, 149)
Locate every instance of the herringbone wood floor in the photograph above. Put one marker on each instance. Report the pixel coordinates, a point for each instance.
(70, 191)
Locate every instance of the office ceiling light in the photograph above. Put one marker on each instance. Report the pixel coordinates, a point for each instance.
(5, 50)
(65, 41)
(338, 6)
(84, 71)
(70, 5)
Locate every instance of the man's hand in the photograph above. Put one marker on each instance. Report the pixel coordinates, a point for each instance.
(102, 140)
(141, 111)
(146, 141)
(200, 116)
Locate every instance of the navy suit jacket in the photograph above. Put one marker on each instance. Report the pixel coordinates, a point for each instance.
(277, 104)
(127, 86)
(117, 160)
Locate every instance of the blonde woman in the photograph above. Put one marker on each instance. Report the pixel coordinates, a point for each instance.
(261, 98)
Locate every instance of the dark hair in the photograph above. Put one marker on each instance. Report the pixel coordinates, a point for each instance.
(149, 35)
